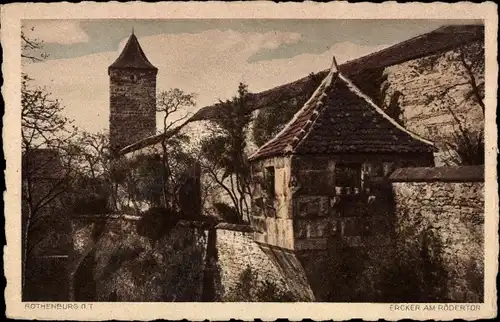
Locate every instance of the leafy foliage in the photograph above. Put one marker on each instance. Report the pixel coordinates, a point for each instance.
(272, 118)
(410, 270)
(227, 213)
(91, 197)
(250, 289)
(373, 82)
(466, 147)
(128, 265)
(415, 272)
(224, 152)
(157, 222)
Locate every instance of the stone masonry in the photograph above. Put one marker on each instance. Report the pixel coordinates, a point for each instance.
(309, 207)
(238, 251)
(421, 84)
(121, 265)
(449, 204)
(132, 106)
(132, 91)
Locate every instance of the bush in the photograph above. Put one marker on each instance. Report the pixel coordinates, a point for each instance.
(410, 270)
(414, 272)
(250, 289)
(469, 148)
(92, 204)
(157, 222)
(227, 213)
(346, 272)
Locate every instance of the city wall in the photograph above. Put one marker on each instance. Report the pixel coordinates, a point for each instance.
(194, 261)
(112, 260)
(448, 203)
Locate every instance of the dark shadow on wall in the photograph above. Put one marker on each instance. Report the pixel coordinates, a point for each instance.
(211, 273)
(47, 280)
(400, 272)
(84, 285)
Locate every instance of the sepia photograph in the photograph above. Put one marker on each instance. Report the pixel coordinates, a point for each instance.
(253, 160)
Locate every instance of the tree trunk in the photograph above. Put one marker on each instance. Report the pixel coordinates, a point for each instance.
(472, 82)
(165, 174)
(26, 234)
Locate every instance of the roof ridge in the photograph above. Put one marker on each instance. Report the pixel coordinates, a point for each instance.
(405, 42)
(334, 72)
(297, 131)
(320, 107)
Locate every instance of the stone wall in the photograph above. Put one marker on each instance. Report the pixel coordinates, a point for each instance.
(272, 203)
(438, 210)
(111, 261)
(304, 206)
(132, 105)
(447, 203)
(431, 88)
(238, 252)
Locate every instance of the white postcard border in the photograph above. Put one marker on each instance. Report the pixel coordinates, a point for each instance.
(12, 15)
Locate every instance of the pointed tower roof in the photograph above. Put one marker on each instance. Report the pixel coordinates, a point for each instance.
(132, 56)
(339, 118)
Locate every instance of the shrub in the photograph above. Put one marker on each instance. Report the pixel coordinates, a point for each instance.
(468, 147)
(414, 271)
(409, 270)
(157, 222)
(250, 289)
(227, 213)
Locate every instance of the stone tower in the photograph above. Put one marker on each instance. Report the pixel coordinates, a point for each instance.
(132, 90)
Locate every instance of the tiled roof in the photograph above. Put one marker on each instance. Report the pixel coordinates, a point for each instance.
(339, 118)
(132, 56)
(152, 140)
(437, 41)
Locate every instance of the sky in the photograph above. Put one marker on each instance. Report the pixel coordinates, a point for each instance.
(205, 57)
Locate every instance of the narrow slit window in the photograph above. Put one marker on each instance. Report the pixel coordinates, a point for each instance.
(269, 182)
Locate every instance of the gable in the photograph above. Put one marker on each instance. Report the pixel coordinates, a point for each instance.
(339, 118)
(348, 123)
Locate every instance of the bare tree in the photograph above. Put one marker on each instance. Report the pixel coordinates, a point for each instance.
(466, 145)
(168, 104)
(48, 157)
(98, 170)
(31, 49)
